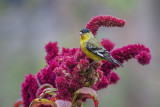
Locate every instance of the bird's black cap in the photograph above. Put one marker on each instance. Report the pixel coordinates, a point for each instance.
(85, 30)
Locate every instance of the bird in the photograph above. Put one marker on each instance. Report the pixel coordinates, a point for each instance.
(92, 48)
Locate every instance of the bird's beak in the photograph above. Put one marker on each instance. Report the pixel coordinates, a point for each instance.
(80, 33)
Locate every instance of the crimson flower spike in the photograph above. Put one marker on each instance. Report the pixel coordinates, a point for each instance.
(69, 78)
(105, 21)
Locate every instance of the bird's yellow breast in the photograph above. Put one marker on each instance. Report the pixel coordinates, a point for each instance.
(83, 43)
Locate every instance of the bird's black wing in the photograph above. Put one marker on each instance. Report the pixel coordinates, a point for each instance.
(102, 52)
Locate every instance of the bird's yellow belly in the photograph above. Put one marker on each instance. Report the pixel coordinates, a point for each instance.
(90, 54)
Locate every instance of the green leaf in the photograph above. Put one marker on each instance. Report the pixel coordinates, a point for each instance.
(44, 86)
(47, 90)
(37, 102)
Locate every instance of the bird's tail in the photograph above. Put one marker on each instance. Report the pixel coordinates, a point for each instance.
(114, 61)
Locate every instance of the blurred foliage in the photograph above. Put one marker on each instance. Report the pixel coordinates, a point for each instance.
(121, 5)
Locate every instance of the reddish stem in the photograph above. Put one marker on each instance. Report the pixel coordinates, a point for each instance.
(18, 103)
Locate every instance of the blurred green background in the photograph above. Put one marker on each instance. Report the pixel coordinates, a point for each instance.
(27, 25)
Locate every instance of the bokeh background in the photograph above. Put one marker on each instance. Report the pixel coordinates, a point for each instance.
(27, 25)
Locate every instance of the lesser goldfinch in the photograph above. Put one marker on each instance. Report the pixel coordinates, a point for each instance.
(94, 49)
